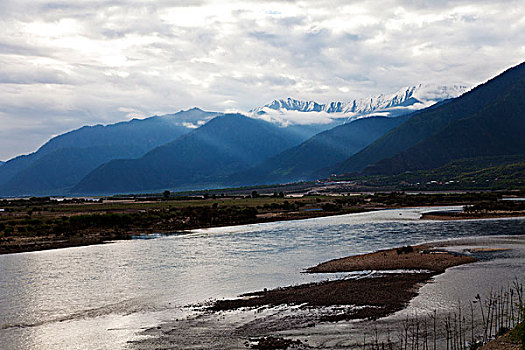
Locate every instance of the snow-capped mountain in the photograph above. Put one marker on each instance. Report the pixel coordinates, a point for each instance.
(290, 111)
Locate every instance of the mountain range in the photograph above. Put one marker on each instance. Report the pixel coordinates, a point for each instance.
(486, 121)
(64, 160)
(228, 143)
(309, 159)
(417, 128)
(403, 101)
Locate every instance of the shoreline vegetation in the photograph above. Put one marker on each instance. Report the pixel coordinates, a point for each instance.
(41, 223)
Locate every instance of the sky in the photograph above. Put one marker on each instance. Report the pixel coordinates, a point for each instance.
(64, 64)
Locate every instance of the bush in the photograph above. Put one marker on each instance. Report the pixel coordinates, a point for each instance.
(330, 207)
(518, 334)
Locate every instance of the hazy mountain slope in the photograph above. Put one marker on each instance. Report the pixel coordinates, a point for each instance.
(56, 172)
(304, 132)
(498, 129)
(142, 134)
(323, 150)
(433, 120)
(67, 158)
(13, 166)
(226, 144)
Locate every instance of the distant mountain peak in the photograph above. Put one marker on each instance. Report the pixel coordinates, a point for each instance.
(293, 104)
(191, 118)
(196, 109)
(400, 102)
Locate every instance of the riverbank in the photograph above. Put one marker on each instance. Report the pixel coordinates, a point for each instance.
(85, 236)
(472, 216)
(46, 223)
(91, 236)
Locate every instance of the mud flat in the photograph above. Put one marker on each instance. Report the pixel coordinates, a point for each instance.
(374, 296)
(253, 316)
(421, 257)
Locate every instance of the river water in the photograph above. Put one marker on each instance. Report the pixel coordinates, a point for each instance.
(101, 296)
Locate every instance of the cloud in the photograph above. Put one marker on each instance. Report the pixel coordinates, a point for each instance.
(84, 62)
(132, 113)
(299, 118)
(190, 125)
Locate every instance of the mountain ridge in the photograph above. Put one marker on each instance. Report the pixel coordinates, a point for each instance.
(400, 137)
(478, 135)
(432, 121)
(28, 174)
(227, 143)
(411, 97)
(305, 161)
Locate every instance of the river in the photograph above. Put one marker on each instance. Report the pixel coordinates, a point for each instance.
(102, 296)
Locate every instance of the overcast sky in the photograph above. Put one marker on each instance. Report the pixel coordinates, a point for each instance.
(64, 64)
